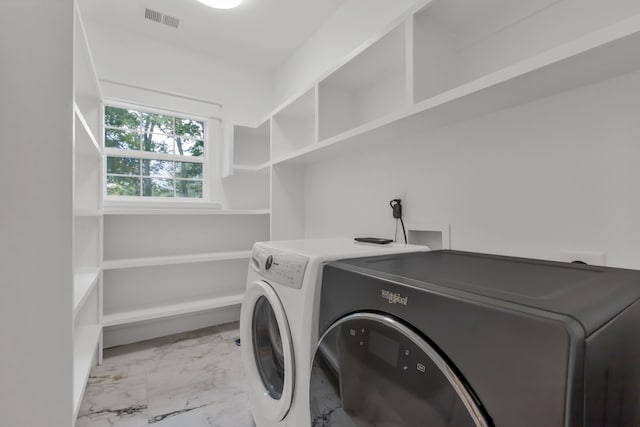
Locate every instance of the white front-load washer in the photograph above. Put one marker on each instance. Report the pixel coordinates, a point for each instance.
(278, 321)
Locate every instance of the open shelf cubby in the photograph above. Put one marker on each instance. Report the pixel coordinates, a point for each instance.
(246, 189)
(294, 126)
(137, 236)
(288, 201)
(87, 181)
(457, 41)
(87, 242)
(86, 143)
(369, 86)
(86, 340)
(85, 281)
(87, 92)
(251, 147)
(160, 290)
(87, 333)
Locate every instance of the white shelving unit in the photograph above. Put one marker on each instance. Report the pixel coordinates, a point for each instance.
(442, 68)
(88, 219)
(588, 59)
(171, 269)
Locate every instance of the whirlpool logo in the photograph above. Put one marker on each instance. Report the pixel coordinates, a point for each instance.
(393, 298)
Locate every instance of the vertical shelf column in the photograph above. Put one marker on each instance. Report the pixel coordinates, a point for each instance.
(88, 215)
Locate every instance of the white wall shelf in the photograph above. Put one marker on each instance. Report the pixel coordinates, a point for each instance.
(174, 259)
(169, 310)
(597, 56)
(294, 125)
(86, 339)
(450, 50)
(369, 86)
(113, 211)
(260, 168)
(84, 282)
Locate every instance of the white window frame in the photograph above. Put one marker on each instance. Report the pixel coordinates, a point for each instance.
(164, 202)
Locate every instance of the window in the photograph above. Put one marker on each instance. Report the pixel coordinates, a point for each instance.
(153, 155)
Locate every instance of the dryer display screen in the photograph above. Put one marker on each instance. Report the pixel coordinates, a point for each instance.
(383, 347)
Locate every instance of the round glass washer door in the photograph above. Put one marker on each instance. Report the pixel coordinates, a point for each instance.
(371, 370)
(267, 351)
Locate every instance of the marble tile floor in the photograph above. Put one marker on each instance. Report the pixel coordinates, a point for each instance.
(194, 379)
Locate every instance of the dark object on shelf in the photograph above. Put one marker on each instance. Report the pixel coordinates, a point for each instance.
(376, 240)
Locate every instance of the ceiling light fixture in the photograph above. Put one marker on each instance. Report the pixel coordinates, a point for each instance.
(221, 4)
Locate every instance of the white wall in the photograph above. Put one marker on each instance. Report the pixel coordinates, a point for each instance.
(353, 24)
(36, 215)
(558, 173)
(246, 95)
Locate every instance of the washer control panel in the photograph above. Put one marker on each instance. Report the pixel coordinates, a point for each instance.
(282, 267)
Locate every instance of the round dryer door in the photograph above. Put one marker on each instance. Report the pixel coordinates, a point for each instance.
(267, 351)
(372, 370)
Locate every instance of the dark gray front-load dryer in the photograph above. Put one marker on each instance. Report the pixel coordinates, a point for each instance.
(458, 339)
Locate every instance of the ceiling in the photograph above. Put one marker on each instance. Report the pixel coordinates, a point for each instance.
(259, 33)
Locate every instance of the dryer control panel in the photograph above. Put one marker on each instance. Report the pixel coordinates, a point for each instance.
(282, 267)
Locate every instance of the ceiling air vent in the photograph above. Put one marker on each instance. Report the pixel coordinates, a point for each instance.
(161, 18)
(170, 21)
(154, 15)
